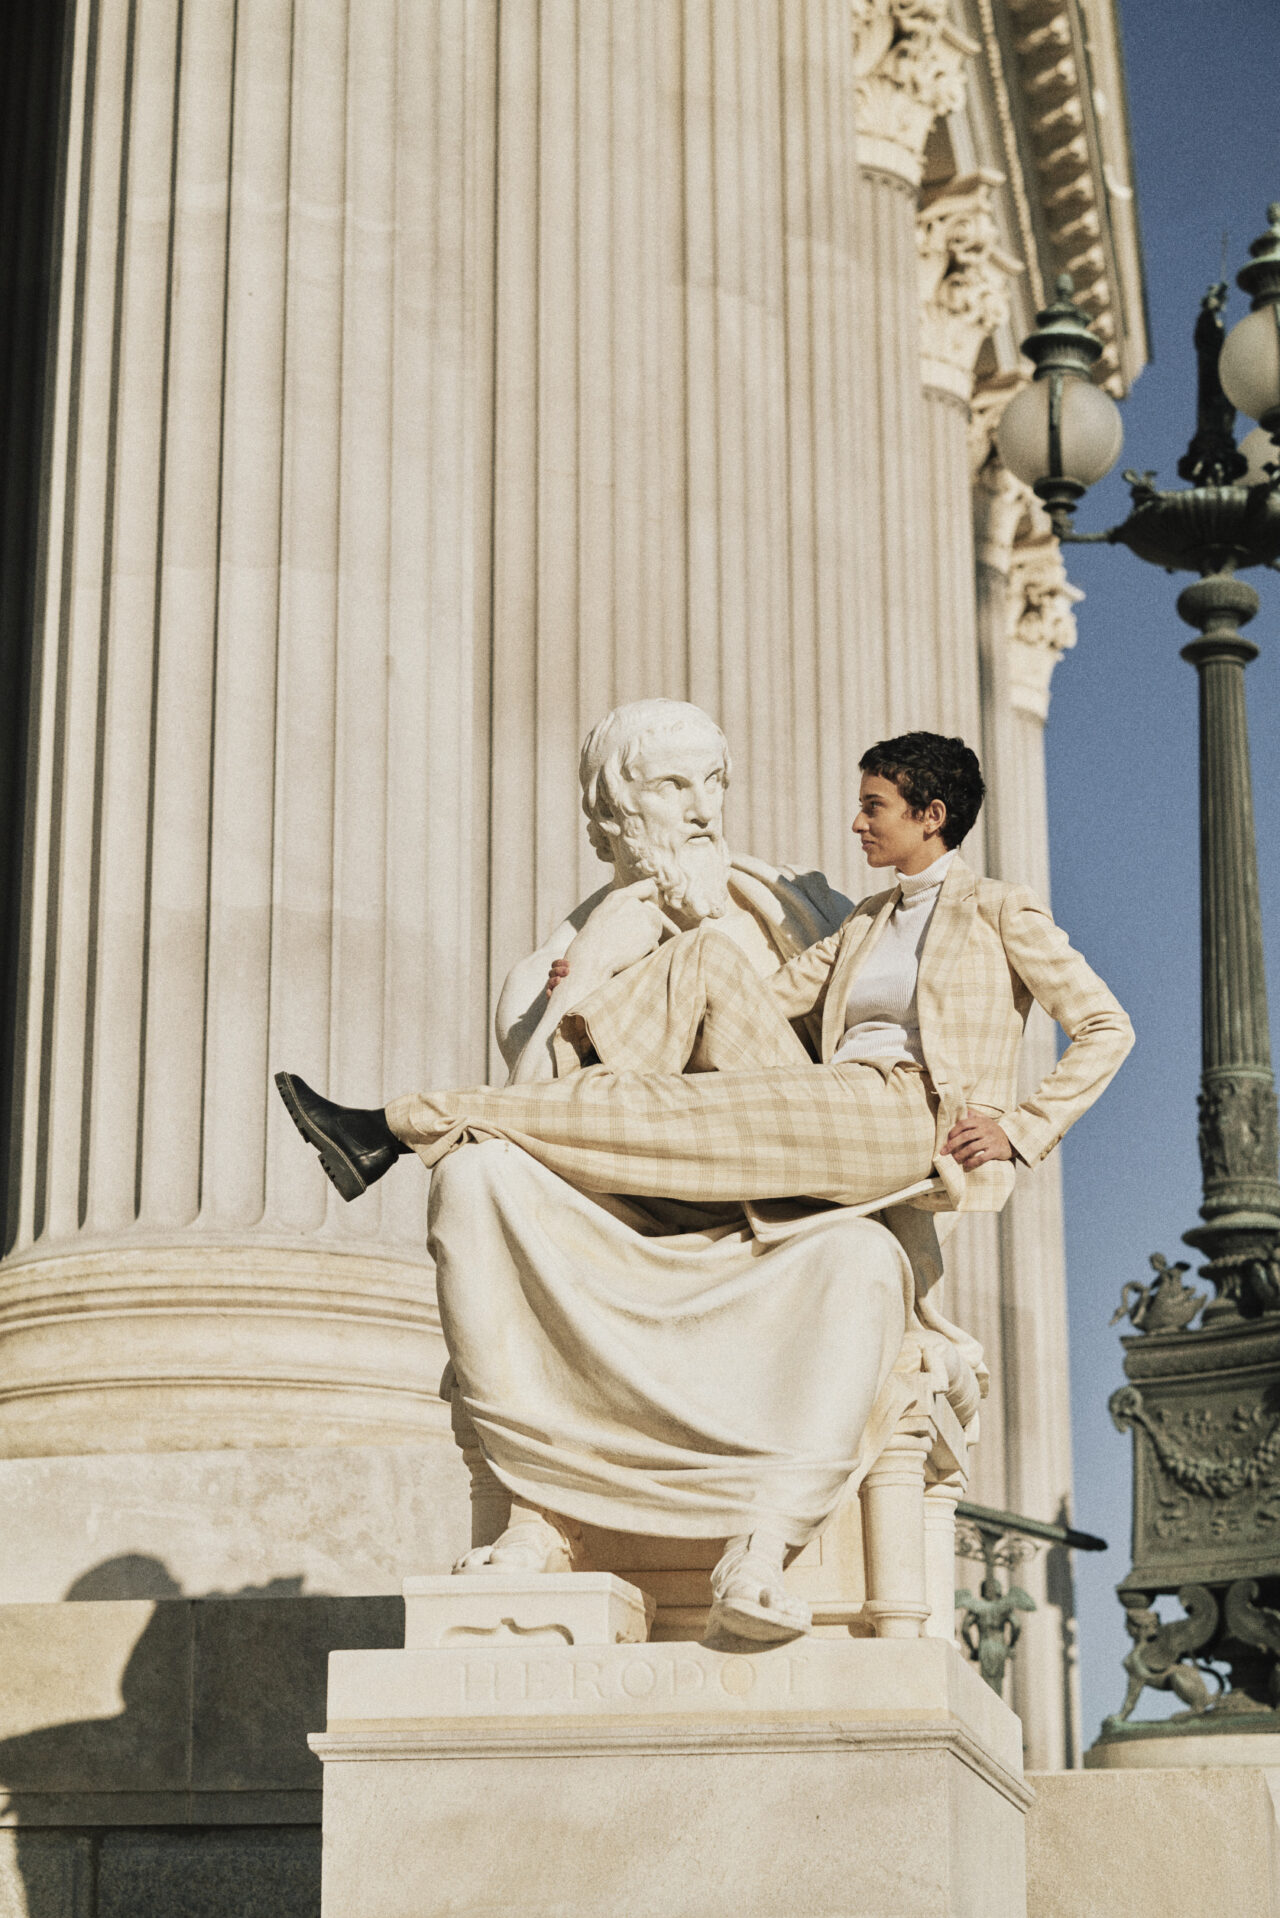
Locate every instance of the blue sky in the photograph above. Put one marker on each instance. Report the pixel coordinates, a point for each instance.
(1122, 750)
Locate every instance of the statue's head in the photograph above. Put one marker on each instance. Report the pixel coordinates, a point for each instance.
(654, 775)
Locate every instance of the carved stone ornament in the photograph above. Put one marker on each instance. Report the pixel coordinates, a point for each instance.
(1168, 1304)
(986, 410)
(990, 1628)
(1002, 508)
(1230, 1452)
(964, 280)
(1163, 1653)
(1238, 1137)
(1255, 1630)
(909, 60)
(1042, 623)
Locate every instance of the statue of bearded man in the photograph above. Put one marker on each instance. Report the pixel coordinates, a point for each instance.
(654, 775)
(648, 1366)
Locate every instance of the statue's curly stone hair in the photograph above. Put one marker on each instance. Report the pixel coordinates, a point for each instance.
(610, 750)
(928, 766)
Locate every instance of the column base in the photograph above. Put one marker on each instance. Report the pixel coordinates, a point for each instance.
(344, 1520)
(839, 1779)
(196, 1345)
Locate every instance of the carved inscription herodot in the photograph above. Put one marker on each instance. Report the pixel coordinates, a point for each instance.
(510, 1681)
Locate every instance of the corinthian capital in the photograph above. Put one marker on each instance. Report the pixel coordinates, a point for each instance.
(909, 60)
(1042, 623)
(1003, 507)
(986, 409)
(964, 280)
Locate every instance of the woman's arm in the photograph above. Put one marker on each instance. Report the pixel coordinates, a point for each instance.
(1095, 1022)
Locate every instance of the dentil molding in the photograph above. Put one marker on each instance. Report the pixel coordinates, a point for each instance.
(1055, 94)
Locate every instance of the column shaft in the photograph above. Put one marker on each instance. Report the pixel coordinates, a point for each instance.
(895, 463)
(255, 758)
(676, 482)
(1238, 1129)
(1024, 622)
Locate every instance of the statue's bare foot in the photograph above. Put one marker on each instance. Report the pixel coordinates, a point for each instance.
(749, 1595)
(532, 1542)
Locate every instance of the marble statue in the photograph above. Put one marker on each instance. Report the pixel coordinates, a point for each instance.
(647, 1366)
(713, 1356)
(654, 775)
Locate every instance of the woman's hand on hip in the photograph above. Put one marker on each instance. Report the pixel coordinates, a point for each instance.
(977, 1140)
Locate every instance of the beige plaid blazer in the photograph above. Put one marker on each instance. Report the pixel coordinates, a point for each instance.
(991, 949)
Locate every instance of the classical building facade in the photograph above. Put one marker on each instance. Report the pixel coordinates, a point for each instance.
(392, 389)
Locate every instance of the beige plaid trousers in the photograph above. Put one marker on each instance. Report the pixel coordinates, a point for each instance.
(704, 1093)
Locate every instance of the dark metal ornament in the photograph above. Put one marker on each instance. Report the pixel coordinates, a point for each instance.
(1203, 1401)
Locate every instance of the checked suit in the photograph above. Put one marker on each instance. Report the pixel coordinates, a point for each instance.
(707, 1092)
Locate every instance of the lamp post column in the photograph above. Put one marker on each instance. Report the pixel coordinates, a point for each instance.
(1238, 1134)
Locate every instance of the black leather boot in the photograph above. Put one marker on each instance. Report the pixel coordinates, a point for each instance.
(355, 1143)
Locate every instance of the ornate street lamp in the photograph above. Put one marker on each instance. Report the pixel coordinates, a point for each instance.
(1203, 1405)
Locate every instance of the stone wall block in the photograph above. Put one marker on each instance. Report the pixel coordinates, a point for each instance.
(208, 1874)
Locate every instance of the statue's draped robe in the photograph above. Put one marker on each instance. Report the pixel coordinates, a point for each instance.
(660, 1368)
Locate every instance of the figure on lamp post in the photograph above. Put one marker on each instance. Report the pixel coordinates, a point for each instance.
(1200, 1402)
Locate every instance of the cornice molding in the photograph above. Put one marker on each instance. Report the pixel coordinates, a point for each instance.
(1054, 89)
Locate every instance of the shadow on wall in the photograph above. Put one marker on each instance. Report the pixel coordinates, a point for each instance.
(156, 1756)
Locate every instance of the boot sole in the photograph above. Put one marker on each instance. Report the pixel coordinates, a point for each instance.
(341, 1172)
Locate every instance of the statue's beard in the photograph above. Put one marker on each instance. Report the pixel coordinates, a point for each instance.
(692, 874)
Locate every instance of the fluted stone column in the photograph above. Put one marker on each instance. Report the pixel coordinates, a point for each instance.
(1025, 623)
(910, 62)
(262, 657)
(964, 276)
(427, 379)
(676, 458)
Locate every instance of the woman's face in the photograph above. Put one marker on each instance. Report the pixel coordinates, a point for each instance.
(890, 833)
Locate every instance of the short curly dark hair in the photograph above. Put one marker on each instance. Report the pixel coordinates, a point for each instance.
(926, 766)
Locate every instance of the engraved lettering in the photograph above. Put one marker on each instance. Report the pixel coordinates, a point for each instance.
(638, 1679)
(479, 1682)
(737, 1676)
(586, 1679)
(542, 1680)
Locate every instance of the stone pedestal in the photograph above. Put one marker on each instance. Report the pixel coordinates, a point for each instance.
(1170, 1747)
(586, 1777)
(1154, 1844)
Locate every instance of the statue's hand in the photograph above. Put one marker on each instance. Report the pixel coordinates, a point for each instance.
(622, 928)
(625, 926)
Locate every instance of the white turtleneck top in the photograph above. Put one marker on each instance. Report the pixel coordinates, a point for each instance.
(880, 1019)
